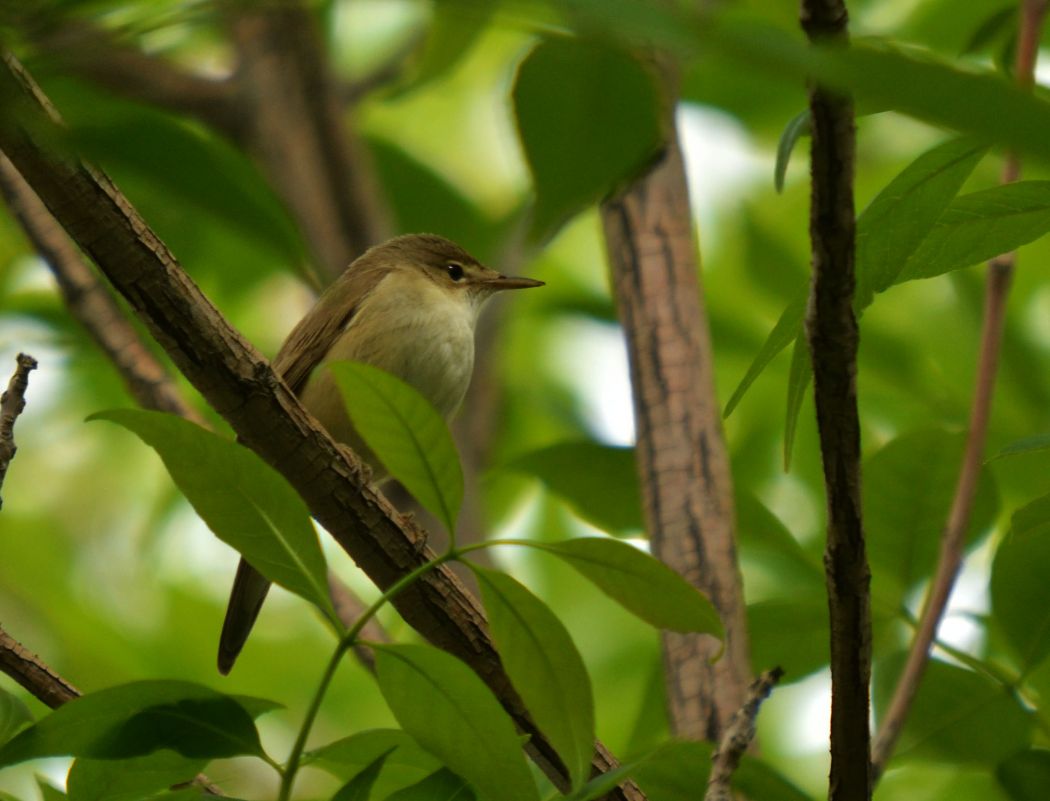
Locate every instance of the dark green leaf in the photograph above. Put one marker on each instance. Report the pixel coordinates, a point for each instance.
(544, 667)
(49, 792)
(957, 716)
(1026, 775)
(799, 376)
(442, 785)
(136, 719)
(1019, 581)
(1040, 442)
(244, 501)
(786, 329)
(129, 779)
(571, 99)
(998, 24)
(359, 788)
(981, 226)
(641, 584)
(407, 434)
(600, 482)
(791, 633)
(903, 214)
(908, 488)
(793, 131)
(358, 750)
(14, 714)
(450, 712)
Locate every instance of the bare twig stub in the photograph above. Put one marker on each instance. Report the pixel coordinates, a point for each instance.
(831, 330)
(240, 385)
(953, 538)
(682, 459)
(32, 674)
(12, 402)
(738, 736)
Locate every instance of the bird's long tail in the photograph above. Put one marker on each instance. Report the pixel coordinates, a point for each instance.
(246, 599)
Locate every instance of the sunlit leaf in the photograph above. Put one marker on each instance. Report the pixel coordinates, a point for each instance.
(444, 705)
(544, 667)
(244, 501)
(407, 434)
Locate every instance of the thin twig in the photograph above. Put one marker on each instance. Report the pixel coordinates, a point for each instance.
(12, 402)
(349, 608)
(831, 330)
(91, 303)
(32, 674)
(953, 539)
(738, 736)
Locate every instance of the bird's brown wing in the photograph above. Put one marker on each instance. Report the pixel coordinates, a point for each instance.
(302, 351)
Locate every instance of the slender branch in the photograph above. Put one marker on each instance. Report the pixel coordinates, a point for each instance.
(32, 674)
(682, 458)
(90, 302)
(831, 330)
(12, 402)
(238, 382)
(350, 609)
(953, 538)
(738, 736)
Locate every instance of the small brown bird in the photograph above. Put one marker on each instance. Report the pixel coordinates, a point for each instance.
(408, 306)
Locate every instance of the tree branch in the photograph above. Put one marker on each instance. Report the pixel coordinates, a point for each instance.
(12, 402)
(240, 385)
(953, 539)
(32, 674)
(682, 461)
(831, 330)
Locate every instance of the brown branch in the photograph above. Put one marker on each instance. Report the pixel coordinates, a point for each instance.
(350, 608)
(12, 402)
(953, 538)
(90, 302)
(831, 330)
(240, 385)
(32, 674)
(682, 461)
(738, 736)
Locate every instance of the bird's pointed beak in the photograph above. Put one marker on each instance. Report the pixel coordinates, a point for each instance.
(501, 282)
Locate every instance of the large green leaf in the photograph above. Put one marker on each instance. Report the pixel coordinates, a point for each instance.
(981, 226)
(641, 584)
(605, 494)
(407, 434)
(572, 100)
(1019, 583)
(441, 785)
(544, 667)
(444, 705)
(359, 788)
(138, 718)
(14, 714)
(1025, 775)
(129, 779)
(244, 501)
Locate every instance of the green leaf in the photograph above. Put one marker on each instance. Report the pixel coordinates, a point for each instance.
(454, 28)
(1000, 24)
(957, 716)
(1040, 442)
(135, 719)
(442, 785)
(571, 99)
(641, 584)
(764, 540)
(407, 434)
(791, 633)
(359, 788)
(14, 714)
(799, 375)
(981, 226)
(1018, 584)
(244, 501)
(1025, 775)
(129, 779)
(49, 792)
(544, 667)
(799, 126)
(786, 329)
(908, 488)
(605, 494)
(902, 215)
(349, 755)
(441, 702)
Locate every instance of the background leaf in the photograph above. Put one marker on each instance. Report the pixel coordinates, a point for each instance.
(129, 779)
(442, 785)
(14, 714)
(359, 788)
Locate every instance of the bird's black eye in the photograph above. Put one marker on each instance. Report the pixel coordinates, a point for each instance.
(455, 271)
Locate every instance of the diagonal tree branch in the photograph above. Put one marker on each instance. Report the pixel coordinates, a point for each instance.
(831, 331)
(239, 383)
(953, 539)
(682, 458)
(32, 674)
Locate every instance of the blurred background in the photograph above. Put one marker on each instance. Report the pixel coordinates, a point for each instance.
(107, 574)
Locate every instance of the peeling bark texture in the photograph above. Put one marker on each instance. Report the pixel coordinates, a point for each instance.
(831, 330)
(682, 461)
(240, 385)
(293, 122)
